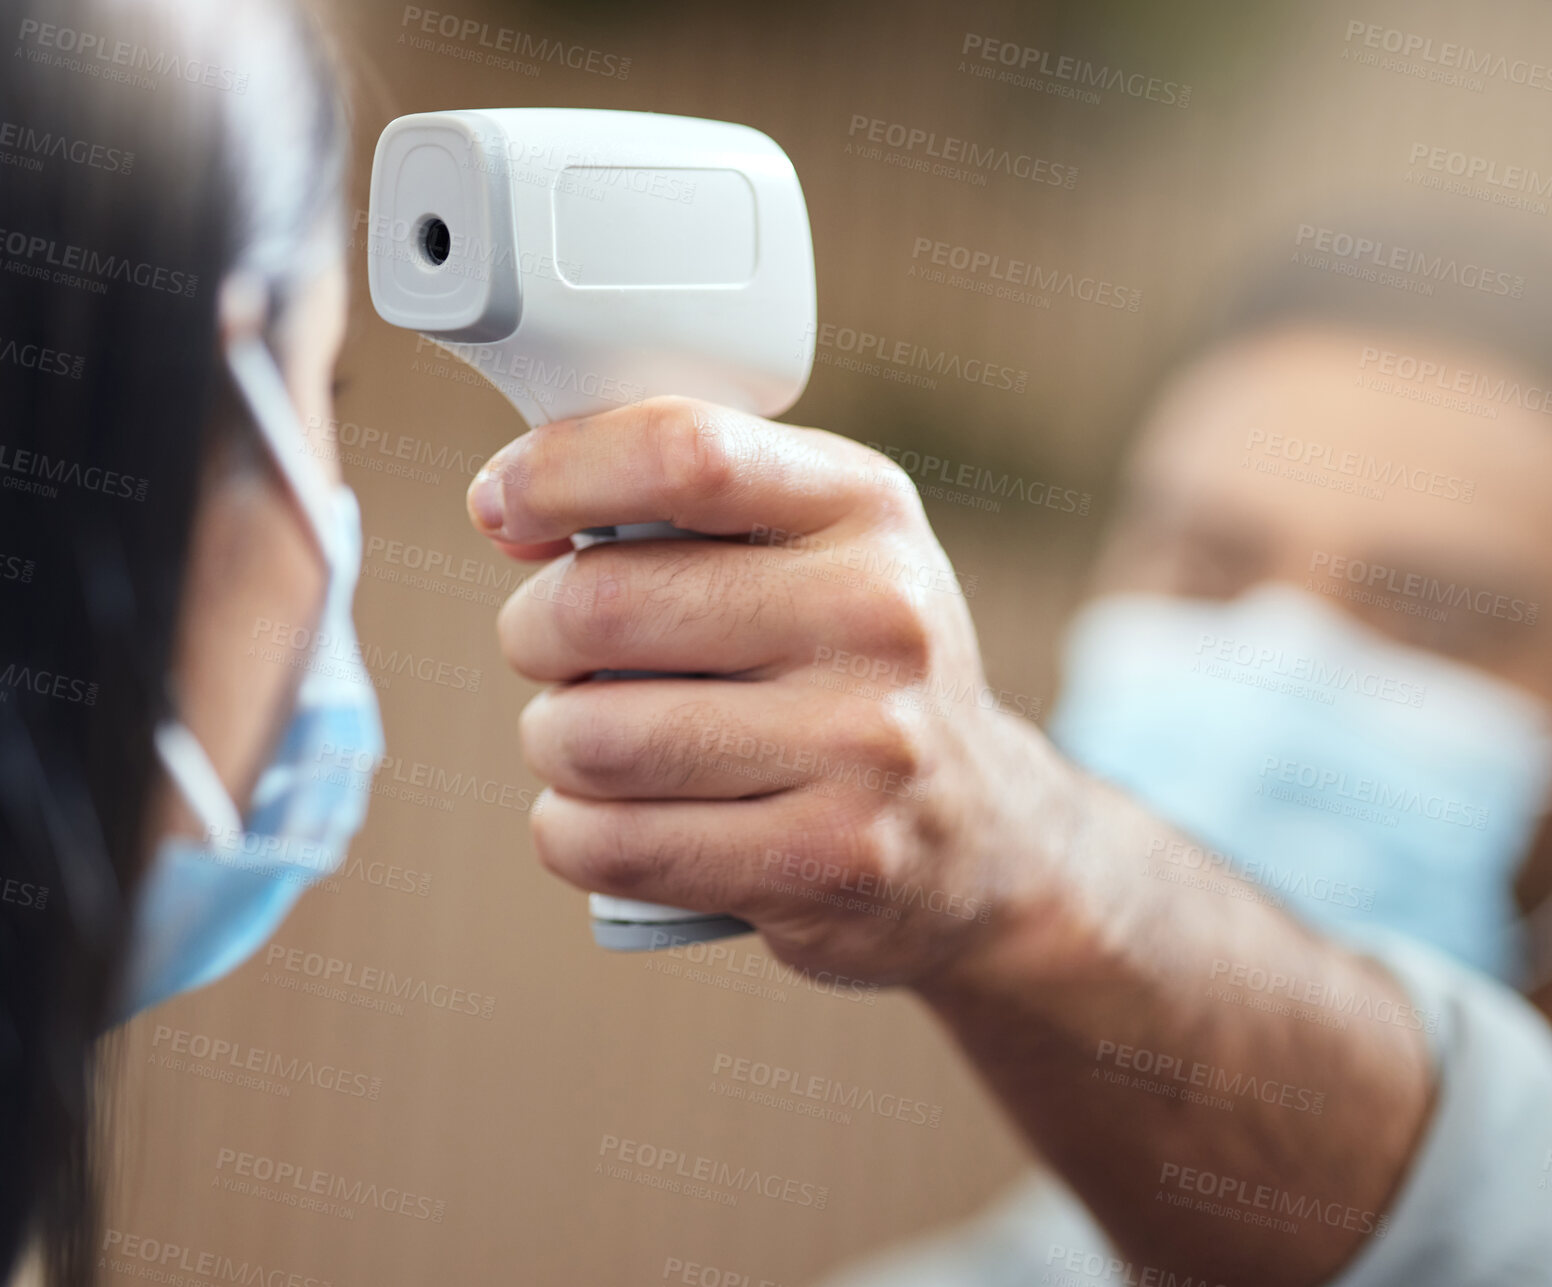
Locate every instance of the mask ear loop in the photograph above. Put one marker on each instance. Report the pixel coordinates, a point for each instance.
(258, 379)
(201, 786)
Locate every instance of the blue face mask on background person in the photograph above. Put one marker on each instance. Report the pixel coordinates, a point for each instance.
(206, 906)
(1359, 781)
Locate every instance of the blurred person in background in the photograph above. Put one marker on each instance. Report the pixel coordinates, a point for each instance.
(1317, 643)
(172, 303)
(1244, 959)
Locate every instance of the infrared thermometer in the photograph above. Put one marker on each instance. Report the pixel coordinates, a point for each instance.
(581, 260)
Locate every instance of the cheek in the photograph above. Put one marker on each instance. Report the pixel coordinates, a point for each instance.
(263, 564)
(246, 639)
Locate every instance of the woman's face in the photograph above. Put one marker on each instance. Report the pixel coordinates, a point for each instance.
(256, 576)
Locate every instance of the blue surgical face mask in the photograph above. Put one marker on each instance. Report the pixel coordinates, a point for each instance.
(1360, 782)
(205, 906)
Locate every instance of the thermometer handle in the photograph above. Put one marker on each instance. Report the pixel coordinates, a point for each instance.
(625, 924)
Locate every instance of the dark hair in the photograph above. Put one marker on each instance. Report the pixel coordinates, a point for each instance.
(1456, 274)
(147, 149)
(1468, 278)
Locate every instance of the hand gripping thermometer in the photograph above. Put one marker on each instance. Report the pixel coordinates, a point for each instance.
(583, 259)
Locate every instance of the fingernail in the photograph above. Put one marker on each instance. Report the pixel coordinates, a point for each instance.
(485, 501)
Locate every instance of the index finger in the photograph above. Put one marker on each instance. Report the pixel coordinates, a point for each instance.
(698, 466)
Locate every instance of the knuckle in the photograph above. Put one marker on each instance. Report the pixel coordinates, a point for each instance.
(635, 861)
(848, 853)
(522, 472)
(667, 413)
(890, 623)
(509, 630)
(603, 752)
(806, 943)
(888, 739)
(535, 737)
(602, 616)
(908, 637)
(610, 865)
(693, 457)
(891, 487)
(829, 920)
(871, 850)
(890, 482)
(548, 847)
(514, 634)
(624, 757)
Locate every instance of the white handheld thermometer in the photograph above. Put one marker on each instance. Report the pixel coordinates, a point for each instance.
(584, 259)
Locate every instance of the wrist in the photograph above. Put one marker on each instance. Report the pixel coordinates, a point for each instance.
(1057, 909)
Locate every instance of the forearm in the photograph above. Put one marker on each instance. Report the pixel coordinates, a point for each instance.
(1238, 1134)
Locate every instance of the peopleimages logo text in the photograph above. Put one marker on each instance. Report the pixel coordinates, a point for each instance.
(1080, 72)
(1402, 259)
(1448, 55)
(958, 151)
(34, 255)
(39, 144)
(92, 50)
